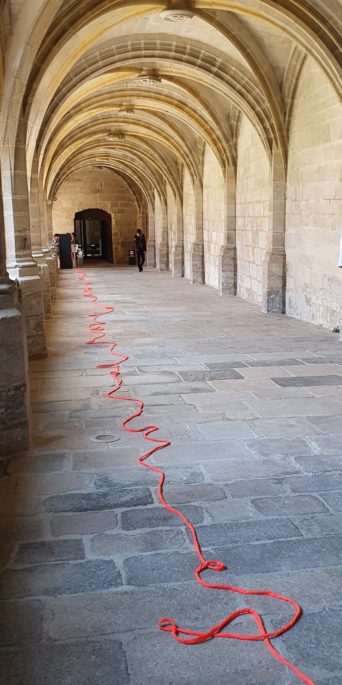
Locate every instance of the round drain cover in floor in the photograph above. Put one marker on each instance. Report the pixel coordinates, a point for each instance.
(106, 438)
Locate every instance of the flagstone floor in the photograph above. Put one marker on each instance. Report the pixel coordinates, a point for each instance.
(90, 561)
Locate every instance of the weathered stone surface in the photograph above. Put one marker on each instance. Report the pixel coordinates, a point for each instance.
(210, 374)
(229, 470)
(272, 447)
(221, 430)
(20, 622)
(315, 483)
(13, 407)
(82, 523)
(274, 362)
(84, 663)
(323, 628)
(104, 613)
(236, 532)
(189, 666)
(44, 551)
(98, 501)
(223, 450)
(89, 460)
(42, 463)
(283, 427)
(287, 555)
(143, 476)
(329, 444)
(301, 381)
(285, 506)
(173, 389)
(20, 529)
(193, 493)
(111, 545)
(52, 483)
(212, 469)
(158, 517)
(315, 525)
(256, 487)
(333, 499)
(59, 579)
(154, 569)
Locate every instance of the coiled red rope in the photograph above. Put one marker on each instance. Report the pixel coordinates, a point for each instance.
(166, 624)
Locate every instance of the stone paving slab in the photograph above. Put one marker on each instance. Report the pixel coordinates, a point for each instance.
(60, 664)
(188, 666)
(89, 561)
(287, 555)
(309, 380)
(98, 501)
(59, 579)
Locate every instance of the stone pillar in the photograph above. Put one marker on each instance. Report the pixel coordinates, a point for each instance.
(162, 245)
(274, 265)
(197, 248)
(14, 391)
(49, 250)
(21, 267)
(37, 240)
(151, 243)
(227, 256)
(177, 250)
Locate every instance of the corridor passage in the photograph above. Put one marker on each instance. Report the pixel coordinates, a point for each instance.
(90, 561)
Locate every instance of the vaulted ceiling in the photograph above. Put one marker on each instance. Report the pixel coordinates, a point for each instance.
(118, 84)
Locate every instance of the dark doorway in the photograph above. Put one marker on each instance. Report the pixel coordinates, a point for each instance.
(93, 228)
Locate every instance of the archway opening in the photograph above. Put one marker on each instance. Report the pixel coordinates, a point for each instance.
(93, 229)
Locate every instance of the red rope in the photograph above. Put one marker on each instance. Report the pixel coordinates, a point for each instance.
(166, 624)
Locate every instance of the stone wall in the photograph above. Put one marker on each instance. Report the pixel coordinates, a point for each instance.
(314, 201)
(252, 208)
(188, 221)
(213, 216)
(98, 189)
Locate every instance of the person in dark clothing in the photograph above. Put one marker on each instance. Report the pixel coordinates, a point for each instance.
(140, 248)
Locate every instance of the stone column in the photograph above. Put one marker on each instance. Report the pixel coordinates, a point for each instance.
(274, 265)
(37, 239)
(50, 250)
(151, 243)
(227, 257)
(177, 249)
(21, 267)
(14, 390)
(197, 248)
(162, 245)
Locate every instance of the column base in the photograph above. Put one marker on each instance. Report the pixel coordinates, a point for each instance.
(177, 261)
(14, 395)
(40, 259)
(227, 270)
(162, 257)
(274, 283)
(151, 255)
(31, 303)
(197, 265)
(51, 260)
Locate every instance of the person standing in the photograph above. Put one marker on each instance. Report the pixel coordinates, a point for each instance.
(140, 248)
